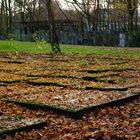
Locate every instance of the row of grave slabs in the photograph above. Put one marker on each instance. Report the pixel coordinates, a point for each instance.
(74, 113)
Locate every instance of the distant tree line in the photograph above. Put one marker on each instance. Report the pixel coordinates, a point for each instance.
(96, 16)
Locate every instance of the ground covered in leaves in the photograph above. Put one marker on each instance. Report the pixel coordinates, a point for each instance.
(69, 83)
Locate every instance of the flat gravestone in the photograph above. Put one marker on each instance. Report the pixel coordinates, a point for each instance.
(13, 124)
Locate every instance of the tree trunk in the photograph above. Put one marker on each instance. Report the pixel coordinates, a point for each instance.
(131, 23)
(1, 19)
(10, 17)
(52, 29)
(132, 6)
(6, 16)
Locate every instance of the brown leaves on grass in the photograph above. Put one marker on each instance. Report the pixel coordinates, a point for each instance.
(118, 122)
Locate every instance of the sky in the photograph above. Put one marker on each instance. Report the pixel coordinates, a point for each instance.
(64, 3)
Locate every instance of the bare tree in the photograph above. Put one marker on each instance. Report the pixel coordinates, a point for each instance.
(6, 17)
(52, 29)
(132, 6)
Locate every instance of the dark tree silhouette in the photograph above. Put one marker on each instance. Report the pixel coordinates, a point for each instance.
(52, 29)
(132, 6)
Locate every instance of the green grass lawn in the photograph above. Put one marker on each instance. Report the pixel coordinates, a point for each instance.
(31, 47)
